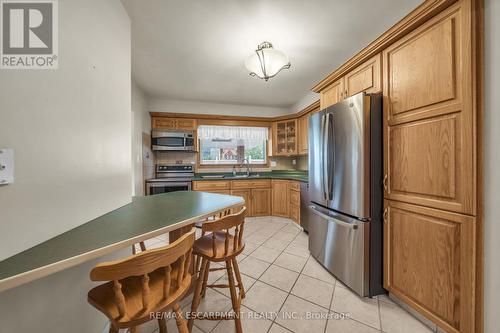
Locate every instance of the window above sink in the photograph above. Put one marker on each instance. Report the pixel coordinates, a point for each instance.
(231, 145)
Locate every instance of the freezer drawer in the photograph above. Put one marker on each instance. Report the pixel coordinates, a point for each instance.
(341, 244)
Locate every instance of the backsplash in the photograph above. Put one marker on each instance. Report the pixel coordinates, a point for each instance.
(282, 163)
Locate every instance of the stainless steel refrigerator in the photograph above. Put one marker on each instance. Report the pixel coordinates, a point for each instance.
(345, 180)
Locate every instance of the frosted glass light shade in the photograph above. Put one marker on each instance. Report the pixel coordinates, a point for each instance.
(266, 62)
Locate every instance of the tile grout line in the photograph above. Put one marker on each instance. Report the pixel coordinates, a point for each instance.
(288, 295)
(379, 314)
(330, 306)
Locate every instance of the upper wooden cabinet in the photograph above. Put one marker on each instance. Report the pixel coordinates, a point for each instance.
(429, 262)
(173, 123)
(366, 77)
(303, 135)
(429, 125)
(332, 94)
(285, 138)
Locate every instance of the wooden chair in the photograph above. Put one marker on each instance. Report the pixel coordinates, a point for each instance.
(144, 285)
(218, 244)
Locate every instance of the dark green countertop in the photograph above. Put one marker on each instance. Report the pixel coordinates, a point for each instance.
(143, 218)
(291, 175)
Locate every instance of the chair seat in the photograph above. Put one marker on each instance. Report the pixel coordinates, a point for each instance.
(203, 246)
(103, 297)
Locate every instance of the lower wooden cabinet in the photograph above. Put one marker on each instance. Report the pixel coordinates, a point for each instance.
(211, 185)
(280, 198)
(261, 201)
(246, 195)
(262, 196)
(295, 213)
(429, 262)
(295, 201)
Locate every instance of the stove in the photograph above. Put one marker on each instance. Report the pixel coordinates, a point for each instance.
(170, 178)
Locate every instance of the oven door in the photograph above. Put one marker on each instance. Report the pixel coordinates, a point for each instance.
(153, 188)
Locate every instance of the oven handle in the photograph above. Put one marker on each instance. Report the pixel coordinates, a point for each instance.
(331, 219)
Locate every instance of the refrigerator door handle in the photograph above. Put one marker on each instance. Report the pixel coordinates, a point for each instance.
(324, 156)
(331, 219)
(330, 135)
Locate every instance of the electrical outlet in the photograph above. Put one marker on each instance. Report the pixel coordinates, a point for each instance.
(6, 166)
(294, 161)
(273, 163)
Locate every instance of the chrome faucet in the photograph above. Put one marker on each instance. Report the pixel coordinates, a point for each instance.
(247, 164)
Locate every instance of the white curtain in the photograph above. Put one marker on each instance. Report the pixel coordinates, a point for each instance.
(232, 132)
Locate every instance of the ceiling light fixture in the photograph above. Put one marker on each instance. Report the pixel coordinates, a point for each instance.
(266, 62)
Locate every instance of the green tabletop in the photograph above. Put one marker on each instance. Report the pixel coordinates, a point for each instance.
(143, 218)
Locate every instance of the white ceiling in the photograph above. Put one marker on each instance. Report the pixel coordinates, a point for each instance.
(196, 49)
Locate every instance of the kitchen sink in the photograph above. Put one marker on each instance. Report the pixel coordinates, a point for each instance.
(246, 176)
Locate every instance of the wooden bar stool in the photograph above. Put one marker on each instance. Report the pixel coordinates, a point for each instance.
(217, 246)
(143, 285)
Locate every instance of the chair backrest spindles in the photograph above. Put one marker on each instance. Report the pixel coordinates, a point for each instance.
(177, 254)
(225, 224)
(188, 262)
(180, 273)
(236, 243)
(119, 298)
(214, 244)
(167, 282)
(145, 291)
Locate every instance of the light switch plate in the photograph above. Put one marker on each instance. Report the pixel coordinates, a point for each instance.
(6, 166)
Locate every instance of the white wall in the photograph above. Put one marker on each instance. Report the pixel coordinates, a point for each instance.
(178, 106)
(141, 123)
(491, 163)
(304, 102)
(70, 129)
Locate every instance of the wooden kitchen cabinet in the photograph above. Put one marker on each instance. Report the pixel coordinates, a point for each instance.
(285, 137)
(366, 77)
(280, 198)
(303, 126)
(257, 195)
(294, 209)
(332, 94)
(250, 183)
(246, 195)
(163, 123)
(429, 132)
(206, 185)
(261, 201)
(429, 262)
(430, 170)
(186, 124)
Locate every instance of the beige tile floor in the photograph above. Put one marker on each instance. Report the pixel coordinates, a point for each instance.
(286, 287)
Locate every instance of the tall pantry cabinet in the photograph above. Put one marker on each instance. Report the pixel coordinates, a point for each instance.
(430, 169)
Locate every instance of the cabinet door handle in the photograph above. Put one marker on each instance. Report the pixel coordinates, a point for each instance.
(385, 215)
(385, 182)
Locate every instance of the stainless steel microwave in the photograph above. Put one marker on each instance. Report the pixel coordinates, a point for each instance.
(172, 140)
